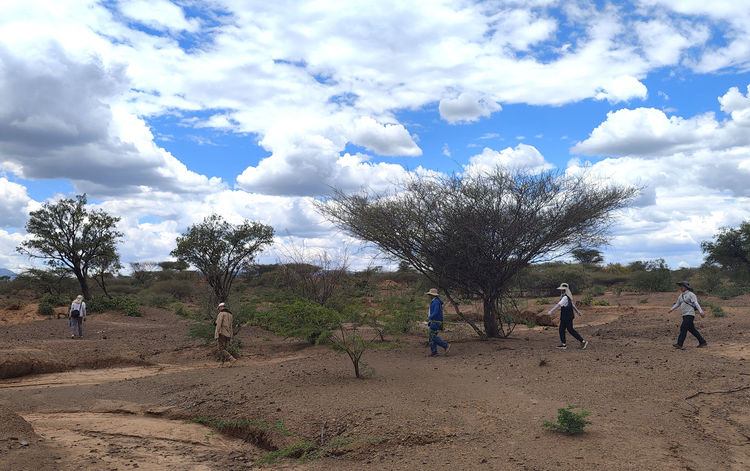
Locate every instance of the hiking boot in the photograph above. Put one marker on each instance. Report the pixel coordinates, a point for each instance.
(701, 345)
(677, 346)
(434, 354)
(447, 349)
(562, 346)
(584, 344)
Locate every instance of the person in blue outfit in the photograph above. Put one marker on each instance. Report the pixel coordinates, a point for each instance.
(435, 322)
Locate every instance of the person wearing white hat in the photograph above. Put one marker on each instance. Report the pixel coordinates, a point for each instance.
(435, 322)
(568, 311)
(223, 333)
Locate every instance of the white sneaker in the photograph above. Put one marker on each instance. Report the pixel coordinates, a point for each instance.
(584, 344)
(562, 346)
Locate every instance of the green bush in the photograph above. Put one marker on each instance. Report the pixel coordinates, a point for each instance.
(402, 313)
(715, 309)
(126, 304)
(45, 309)
(595, 290)
(542, 301)
(587, 300)
(202, 331)
(569, 421)
(53, 300)
(159, 300)
(300, 319)
(600, 302)
(728, 291)
(180, 310)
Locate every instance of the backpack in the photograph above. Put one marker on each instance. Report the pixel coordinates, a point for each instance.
(75, 312)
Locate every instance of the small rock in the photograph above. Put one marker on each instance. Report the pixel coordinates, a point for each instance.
(24, 443)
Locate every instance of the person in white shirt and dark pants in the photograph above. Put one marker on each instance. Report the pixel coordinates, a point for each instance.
(688, 304)
(77, 314)
(567, 313)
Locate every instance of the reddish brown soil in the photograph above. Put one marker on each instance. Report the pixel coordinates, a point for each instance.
(118, 398)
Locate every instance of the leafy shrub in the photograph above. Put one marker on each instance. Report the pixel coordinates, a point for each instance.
(715, 309)
(542, 301)
(45, 309)
(595, 290)
(175, 288)
(728, 291)
(569, 421)
(530, 324)
(600, 302)
(202, 331)
(403, 313)
(160, 301)
(126, 304)
(643, 301)
(587, 300)
(181, 310)
(53, 300)
(652, 276)
(300, 319)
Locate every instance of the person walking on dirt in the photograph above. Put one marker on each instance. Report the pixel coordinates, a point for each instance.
(77, 314)
(435, 322)
(568, 311)
(223, 333)
(688, 303)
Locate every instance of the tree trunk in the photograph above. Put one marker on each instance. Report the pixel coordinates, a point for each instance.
(466, 319)
(490, 318)
(84, 284)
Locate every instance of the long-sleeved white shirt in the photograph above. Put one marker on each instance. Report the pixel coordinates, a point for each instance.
(687, 301)
(562, 303)
(81, 308)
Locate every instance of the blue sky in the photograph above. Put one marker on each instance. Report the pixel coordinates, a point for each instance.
(165, 111)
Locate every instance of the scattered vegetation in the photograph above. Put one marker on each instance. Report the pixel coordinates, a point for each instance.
(568, 420)
(717, 310)
(126, 304)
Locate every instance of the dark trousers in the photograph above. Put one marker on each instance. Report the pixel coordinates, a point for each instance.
(689, 326)
(566, 323)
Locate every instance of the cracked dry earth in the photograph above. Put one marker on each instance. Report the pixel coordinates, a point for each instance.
(123, 397)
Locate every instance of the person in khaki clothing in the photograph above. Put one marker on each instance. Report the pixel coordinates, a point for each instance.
(223, 333)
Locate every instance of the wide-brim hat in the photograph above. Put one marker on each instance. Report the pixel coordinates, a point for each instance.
(222, 305)
(685, 284)
(433, 292)
(564, 286)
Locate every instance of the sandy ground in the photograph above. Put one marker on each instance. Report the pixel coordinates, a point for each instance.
(121, 397)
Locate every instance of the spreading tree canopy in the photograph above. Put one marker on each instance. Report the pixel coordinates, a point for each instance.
(219, 250)
(69, 235)
(730, 249)
(472, 234)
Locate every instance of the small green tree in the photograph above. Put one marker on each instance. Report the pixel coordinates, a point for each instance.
(587, 256)
(568, 420)
(219, 250)
(67, 234)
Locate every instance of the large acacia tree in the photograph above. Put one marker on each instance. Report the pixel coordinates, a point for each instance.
(69, 235)
(219, 249)
(730, 249)
(471, 235)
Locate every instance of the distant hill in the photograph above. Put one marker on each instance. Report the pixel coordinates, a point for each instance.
(6, 272)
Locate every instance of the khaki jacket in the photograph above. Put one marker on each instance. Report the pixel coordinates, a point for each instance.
(223, 325)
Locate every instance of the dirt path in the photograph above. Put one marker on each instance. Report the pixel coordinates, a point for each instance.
(117, 441)
(478, 408)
